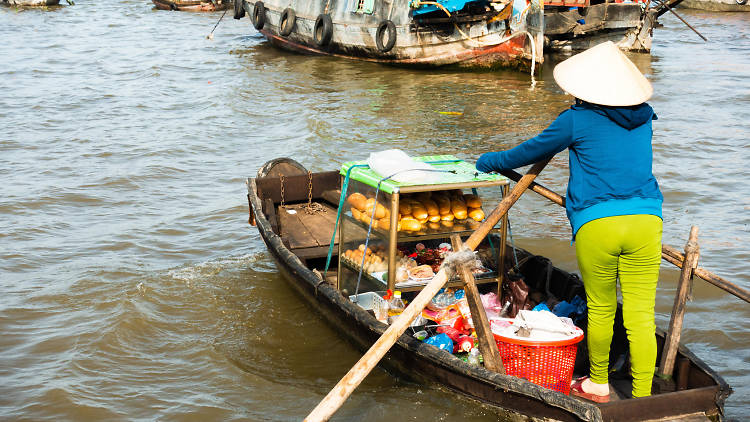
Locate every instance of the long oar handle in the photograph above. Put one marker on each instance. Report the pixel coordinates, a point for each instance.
(668, 253)
(672, 255)
(338, 395)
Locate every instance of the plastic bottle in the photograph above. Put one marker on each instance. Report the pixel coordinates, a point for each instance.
(395, 304)
(473, 358)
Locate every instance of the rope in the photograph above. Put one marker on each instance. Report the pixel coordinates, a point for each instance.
(344, 187)
(453, 260)
(211, 35)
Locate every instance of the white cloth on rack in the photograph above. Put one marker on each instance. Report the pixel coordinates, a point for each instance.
(404, 168)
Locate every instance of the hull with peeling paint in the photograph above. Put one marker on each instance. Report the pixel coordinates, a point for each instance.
(491, 39)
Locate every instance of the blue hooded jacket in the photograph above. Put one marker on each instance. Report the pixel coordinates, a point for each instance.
(610, 160)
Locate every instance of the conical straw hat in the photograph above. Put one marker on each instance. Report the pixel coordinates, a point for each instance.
(603, 75)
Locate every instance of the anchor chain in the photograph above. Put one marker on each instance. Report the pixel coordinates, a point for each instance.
(316, 207)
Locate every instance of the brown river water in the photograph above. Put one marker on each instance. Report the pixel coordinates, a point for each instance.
(132, 287)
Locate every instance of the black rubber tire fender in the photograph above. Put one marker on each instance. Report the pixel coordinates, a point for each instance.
(259, 15)
(323, 30)
(239, 9)
(286, 22)
(741, 2)
(386, 28)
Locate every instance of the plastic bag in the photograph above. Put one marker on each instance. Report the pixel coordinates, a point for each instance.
(492, 305)
(403, 168)
(442, 300)
(441, 341)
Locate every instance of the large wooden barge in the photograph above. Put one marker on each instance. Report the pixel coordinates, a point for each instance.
(482, 33)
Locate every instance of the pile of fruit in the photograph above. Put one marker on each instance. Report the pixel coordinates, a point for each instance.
(420, 211)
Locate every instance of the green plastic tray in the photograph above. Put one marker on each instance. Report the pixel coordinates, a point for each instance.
(464, 173)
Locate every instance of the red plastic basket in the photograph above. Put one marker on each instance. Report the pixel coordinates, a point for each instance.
(546, 363)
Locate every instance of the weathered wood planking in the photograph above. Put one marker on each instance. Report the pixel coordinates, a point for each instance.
(302, 230)
(294, 232)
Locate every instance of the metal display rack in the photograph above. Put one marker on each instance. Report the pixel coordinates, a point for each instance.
(458, 175)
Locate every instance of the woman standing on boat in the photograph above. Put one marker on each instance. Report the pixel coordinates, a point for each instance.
(613, 203)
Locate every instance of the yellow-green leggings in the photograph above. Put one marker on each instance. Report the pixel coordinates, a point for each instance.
(627, 247)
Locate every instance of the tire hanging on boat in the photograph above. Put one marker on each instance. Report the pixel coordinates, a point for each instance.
(385, 27)
(259, 15)
(286, 22)
(323, 30)
(239, 9)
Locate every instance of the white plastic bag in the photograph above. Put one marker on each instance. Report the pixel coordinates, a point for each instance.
(404, 168)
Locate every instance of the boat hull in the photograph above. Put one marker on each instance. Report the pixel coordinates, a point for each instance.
(505, 55)
(625, 24)
(717, 5)
(478, 43)
(514, 398)
(192, 5)
(31, 3)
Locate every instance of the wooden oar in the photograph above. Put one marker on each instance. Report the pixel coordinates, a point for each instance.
(668, 253)
(338, 395)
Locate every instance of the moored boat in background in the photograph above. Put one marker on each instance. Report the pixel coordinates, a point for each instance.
(581, 24)
(718, 5)
(30, 3)
(193, 5)
(483, 33)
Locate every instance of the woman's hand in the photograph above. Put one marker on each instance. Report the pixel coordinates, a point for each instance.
(487, 162)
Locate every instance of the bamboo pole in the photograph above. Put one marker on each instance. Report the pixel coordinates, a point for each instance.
(668, 253)
(672, 255)
(669, 353)
(487, 344)
(338, 395)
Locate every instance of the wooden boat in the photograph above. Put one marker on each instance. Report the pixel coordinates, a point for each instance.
(193, 5)
(299, 244)
(466, 33)
(581, 24)
(718, 5)
(31, 3)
